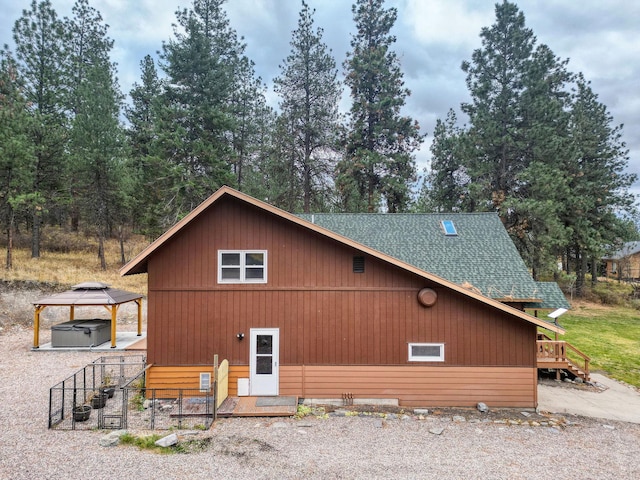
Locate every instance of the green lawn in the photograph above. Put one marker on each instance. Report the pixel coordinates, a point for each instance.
(610, 336)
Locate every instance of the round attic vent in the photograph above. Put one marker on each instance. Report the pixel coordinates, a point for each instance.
(427, 297)
(90, 286)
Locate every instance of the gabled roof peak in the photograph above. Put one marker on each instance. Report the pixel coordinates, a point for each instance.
(139, 263)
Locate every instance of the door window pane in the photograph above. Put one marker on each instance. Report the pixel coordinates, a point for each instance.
(264, 345)
(264, 365)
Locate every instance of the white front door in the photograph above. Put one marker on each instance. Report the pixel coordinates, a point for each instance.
(263, 364)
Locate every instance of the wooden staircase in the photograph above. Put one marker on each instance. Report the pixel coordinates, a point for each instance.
(554, 355)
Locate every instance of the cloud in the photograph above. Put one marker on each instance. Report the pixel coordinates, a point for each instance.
(452, 23)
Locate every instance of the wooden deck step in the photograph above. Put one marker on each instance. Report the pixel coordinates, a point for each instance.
(258, 407)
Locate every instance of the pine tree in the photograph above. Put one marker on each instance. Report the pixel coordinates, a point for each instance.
(16, 150)
(98, 146)
(446, 188)
(151, 172)
(196, 121)
(97, 155)
(600, 201)
(309, 95)
(496, 78)
(548, 162)
(248, 106)
(378, 164)
(40, 38)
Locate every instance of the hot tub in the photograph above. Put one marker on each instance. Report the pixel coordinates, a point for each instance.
(81, 333)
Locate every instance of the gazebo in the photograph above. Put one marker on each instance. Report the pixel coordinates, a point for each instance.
(88, 294)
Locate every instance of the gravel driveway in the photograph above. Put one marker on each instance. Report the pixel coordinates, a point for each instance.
(443, 444)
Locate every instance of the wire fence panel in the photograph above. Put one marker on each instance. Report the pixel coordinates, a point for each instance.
(110, 393)
(167, 409)
(82, 400)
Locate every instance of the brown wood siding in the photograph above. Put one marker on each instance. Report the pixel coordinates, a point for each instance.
(626, 267)
(236, 372)
(410, 385)
(175, 377)
(327, 315)
(416, 386)
(189, 376)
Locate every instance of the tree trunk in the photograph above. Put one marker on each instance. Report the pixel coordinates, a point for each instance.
(35, 234)
(581, 268)
(123, 259)
(307, 186)
(9, 263)
(103, 261)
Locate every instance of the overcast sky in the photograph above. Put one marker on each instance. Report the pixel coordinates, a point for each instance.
(601, 39)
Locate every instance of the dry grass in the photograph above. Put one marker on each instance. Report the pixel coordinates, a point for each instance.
(67, 269)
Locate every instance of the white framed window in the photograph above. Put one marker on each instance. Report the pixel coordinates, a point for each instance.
(242, 266)
(426, 352)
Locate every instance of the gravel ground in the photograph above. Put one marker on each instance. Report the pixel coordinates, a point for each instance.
(488, 446)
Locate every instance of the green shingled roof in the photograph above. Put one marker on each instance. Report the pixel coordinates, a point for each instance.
(481, 255)
(552, 297)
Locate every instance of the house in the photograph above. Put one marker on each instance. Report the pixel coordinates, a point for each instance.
(323, 306)
(624, 263)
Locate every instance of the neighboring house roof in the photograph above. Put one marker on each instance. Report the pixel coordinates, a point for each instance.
(629, 248)
(140, 262)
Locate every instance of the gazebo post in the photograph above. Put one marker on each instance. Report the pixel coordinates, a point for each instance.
(139, 302)
(36, 326)
(114, 315)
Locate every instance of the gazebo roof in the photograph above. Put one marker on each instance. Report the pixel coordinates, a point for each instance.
(89, 293)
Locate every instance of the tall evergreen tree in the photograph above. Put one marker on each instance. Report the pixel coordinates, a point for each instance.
(550, 164)
(496, 78)
(151, 171)
(196, 123)
(378, 164)
(309, 95)
(16, 150)
(248, 106)
(96, 134)
(98, 146)
(596, 211)
(446, 188)
(256, 176)
(510, 157)
(40, 39)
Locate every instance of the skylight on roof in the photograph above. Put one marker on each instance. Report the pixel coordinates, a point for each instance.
(449, 228)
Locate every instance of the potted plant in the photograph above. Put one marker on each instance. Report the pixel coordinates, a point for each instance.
(99, 400)
(107, 386)
(109, 390)
(81, 413)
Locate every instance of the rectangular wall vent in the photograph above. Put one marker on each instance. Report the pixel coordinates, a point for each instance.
(358, 264)
(205, 381)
